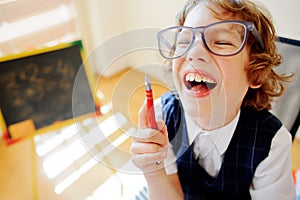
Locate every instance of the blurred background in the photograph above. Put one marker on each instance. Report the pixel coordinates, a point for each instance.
(54, 162)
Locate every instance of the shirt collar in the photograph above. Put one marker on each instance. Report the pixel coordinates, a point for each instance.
(221, 136)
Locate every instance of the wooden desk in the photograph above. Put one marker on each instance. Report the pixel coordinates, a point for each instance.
(22, 173)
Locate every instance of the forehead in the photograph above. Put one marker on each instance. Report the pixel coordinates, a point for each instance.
(202, 15)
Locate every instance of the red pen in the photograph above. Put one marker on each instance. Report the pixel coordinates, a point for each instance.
(150, 107)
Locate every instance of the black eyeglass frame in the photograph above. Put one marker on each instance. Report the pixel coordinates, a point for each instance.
(249, 26)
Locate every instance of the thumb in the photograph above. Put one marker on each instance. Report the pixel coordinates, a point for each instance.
(162, 127)
(143, 117)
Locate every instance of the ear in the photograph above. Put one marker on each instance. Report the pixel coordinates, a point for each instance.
(254, 86)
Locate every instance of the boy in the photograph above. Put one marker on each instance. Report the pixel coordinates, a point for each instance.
(217, 138)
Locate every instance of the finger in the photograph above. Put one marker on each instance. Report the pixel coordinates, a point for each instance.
(150, 136)
(145, 148)
(162, 127)
(146, 159)
(143, 117)
(144, 133)
(163, 130)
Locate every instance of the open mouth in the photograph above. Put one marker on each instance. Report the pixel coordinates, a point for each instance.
(199, 83)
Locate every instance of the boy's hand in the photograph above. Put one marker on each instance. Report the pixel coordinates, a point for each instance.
(148, 145)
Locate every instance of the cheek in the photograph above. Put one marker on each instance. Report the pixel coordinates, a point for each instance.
(176, 68)
(237, 87)
(176, 64)
(234, 76)
(237, 83)
(234, 68)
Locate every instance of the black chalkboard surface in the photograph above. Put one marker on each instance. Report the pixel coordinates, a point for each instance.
(40, 86)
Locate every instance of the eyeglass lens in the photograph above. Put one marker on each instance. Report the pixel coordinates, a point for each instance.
(220, 38)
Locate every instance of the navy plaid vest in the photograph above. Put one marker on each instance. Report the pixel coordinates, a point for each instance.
(249, 146)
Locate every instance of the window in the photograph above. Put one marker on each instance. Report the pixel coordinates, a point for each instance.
(30, 24)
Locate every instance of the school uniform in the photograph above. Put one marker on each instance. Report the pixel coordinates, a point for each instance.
(249, 158)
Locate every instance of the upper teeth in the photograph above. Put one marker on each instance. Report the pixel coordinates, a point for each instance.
(198, 78)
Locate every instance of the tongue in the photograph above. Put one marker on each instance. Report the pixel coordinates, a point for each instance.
(200, 88)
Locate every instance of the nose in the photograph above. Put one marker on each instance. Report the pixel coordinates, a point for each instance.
(198, 51)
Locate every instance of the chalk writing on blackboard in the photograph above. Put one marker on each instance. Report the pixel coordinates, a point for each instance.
(39, 87)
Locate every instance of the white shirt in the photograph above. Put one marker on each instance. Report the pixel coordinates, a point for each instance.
(273, 176)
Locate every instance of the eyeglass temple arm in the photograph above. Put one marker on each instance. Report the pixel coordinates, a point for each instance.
(257, 36)
(165, 42)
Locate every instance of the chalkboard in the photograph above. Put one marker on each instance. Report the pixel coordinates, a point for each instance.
(40, 86)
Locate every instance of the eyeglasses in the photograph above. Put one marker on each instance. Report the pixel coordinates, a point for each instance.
(223, 38)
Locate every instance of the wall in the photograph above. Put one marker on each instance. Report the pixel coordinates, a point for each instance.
(154, 13)
(98, 20)
(286, 16)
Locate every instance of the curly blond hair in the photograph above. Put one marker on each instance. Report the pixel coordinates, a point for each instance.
(260, 70)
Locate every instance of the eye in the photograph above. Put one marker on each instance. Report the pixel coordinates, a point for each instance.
(182, 42)
(184, 37)
(223, 39)
(224, 43)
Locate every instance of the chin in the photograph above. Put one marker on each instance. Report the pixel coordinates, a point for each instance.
(195, 106)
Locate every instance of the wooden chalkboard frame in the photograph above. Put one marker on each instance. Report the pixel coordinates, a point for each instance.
(38, 85)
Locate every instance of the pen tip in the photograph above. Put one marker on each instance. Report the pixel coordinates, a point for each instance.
(147, 82)
(147, 79)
